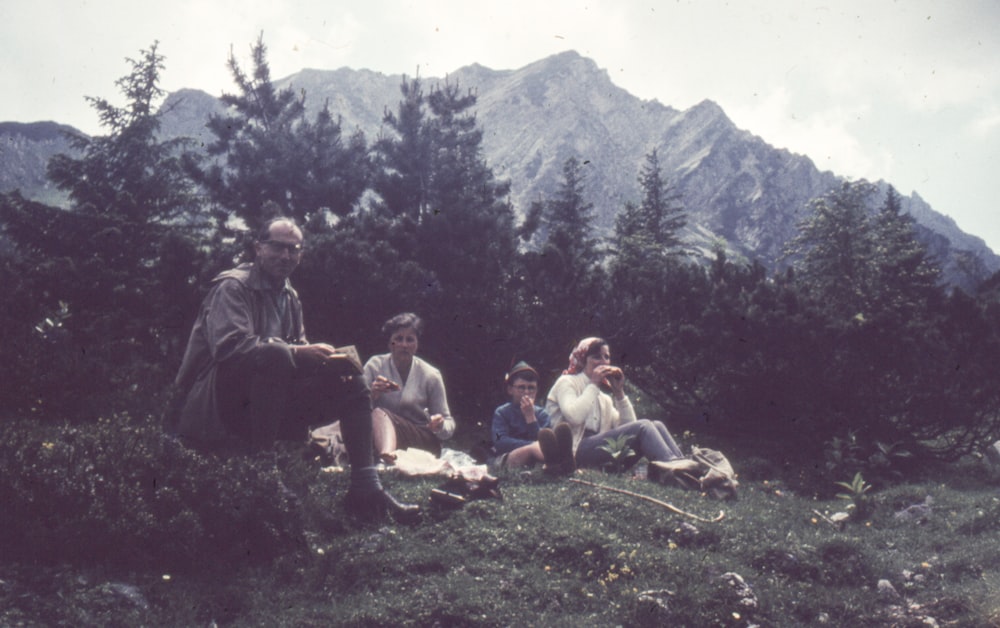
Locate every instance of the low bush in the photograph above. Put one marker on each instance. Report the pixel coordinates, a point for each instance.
(120, 492)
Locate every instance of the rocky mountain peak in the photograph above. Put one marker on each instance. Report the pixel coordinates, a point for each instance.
(735, 187)
(706, 114)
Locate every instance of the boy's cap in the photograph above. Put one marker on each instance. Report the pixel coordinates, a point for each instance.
(520, 367)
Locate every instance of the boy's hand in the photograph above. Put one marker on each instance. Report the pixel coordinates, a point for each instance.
(528, 408)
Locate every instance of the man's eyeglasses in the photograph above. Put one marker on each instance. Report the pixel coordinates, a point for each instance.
(293, 249)
(523, 388)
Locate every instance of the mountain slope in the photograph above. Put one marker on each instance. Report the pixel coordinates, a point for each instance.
(25, 150)
(736, 188)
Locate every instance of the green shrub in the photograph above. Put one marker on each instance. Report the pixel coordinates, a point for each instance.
(120, 492)
(844, 561)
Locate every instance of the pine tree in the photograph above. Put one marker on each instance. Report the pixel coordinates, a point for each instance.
(449, 216)
(403, 159)
(646, 239)
(470, 216)
(563, 272)
(835, 250)
(116, 268)
(661, 210)
(570, 244)
(129, 175)
(267, 150)
(906, 278)
(435, 184)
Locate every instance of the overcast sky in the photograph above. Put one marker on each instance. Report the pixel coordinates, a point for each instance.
(907, 91)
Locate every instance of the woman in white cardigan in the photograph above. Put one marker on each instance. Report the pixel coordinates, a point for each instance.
(580, 398)
(409, 405)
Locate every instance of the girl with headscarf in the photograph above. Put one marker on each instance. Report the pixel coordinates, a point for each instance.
(590, 397)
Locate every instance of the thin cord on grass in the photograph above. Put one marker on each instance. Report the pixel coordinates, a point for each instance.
(647, 498)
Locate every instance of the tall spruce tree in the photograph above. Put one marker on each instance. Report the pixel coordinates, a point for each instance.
(449, 214)
(906, 279)
(435, 184)
(835, 250)
(862, 262)
(570, 243)
(563, 268)
(643, 263)
(267, 149)
(403, 157)
(115, 270)
(658, 220)
(470, 216)
(129, 175)
(646, 241)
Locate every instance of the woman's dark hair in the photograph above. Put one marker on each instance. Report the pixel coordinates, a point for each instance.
(402, 321)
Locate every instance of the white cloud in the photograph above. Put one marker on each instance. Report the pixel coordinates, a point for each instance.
(985, 123)
(826, 135)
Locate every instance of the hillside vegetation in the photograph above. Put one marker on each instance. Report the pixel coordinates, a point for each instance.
(265, 543)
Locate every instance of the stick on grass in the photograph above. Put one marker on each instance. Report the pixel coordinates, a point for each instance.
(647, 498)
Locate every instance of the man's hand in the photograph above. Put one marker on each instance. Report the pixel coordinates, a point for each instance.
(315, 354)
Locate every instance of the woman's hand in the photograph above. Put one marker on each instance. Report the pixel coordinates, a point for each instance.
(611, 376)
(382, 385)
(436, 423)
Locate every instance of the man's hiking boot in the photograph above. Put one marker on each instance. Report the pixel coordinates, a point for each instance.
(372, 506)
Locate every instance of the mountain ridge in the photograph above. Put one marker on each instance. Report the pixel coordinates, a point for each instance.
(736, 188)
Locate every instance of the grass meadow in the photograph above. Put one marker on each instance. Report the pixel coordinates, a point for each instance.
(552, 552)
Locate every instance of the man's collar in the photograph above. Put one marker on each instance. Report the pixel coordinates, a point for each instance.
(260, 281)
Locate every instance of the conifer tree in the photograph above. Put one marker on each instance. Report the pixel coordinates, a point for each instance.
(661, 210)
(435, 184)
(114, 270)
(129, 175)
(563, 271)
(651, 229)
(268, 150)
(403, 158)
(835, 250)
(569, 242)
(470, 217)
(450, 216)
(906, 278)
(647, 236)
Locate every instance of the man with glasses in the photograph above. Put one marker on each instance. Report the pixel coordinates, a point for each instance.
(250, 376)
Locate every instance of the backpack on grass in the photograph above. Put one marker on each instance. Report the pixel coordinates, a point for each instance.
(705, 470)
